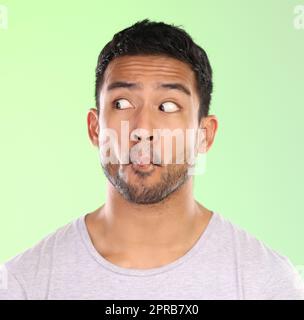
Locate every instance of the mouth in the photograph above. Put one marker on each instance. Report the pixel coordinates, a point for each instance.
(143, 163)
(144, 166)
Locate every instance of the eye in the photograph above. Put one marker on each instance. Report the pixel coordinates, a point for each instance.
(122, 104)
(168, 107)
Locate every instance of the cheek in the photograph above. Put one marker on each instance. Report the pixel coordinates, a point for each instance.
(109, 140)
(170, 145)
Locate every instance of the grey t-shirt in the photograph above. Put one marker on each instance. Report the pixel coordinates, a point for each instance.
(226, 262)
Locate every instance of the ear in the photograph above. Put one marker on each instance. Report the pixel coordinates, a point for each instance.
(93, 126)
(207, 130)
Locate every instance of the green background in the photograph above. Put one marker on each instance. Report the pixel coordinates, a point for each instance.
(50, 173)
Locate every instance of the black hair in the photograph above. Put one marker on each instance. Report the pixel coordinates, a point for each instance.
(158, 38)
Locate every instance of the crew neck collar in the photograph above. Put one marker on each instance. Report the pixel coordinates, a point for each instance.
(199, 245)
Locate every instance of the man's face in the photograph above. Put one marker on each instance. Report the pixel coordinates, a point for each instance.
(139, 90)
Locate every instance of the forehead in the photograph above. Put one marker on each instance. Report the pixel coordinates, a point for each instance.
(149, 68)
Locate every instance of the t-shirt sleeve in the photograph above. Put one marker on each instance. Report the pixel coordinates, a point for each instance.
(284, 282)
(267, 274)
(10, 287)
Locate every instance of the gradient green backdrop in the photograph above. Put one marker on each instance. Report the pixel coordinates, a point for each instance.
(49, 171)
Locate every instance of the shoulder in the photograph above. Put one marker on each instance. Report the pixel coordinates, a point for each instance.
(58, 239)
(263, 273)
(32, 267)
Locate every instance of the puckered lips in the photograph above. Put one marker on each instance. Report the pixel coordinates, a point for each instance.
(143, 163)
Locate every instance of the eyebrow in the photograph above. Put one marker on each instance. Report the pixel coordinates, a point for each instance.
(132, 85)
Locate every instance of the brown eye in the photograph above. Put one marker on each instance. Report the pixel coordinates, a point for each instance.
(168, 107)
(122, 104)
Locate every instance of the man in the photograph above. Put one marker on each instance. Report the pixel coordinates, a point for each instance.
(151, 239)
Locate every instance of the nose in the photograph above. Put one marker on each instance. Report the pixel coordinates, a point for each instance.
(142, 126)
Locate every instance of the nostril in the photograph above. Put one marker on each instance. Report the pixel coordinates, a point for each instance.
(137, 137)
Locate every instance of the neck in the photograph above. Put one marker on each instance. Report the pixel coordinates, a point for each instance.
(136, 226)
